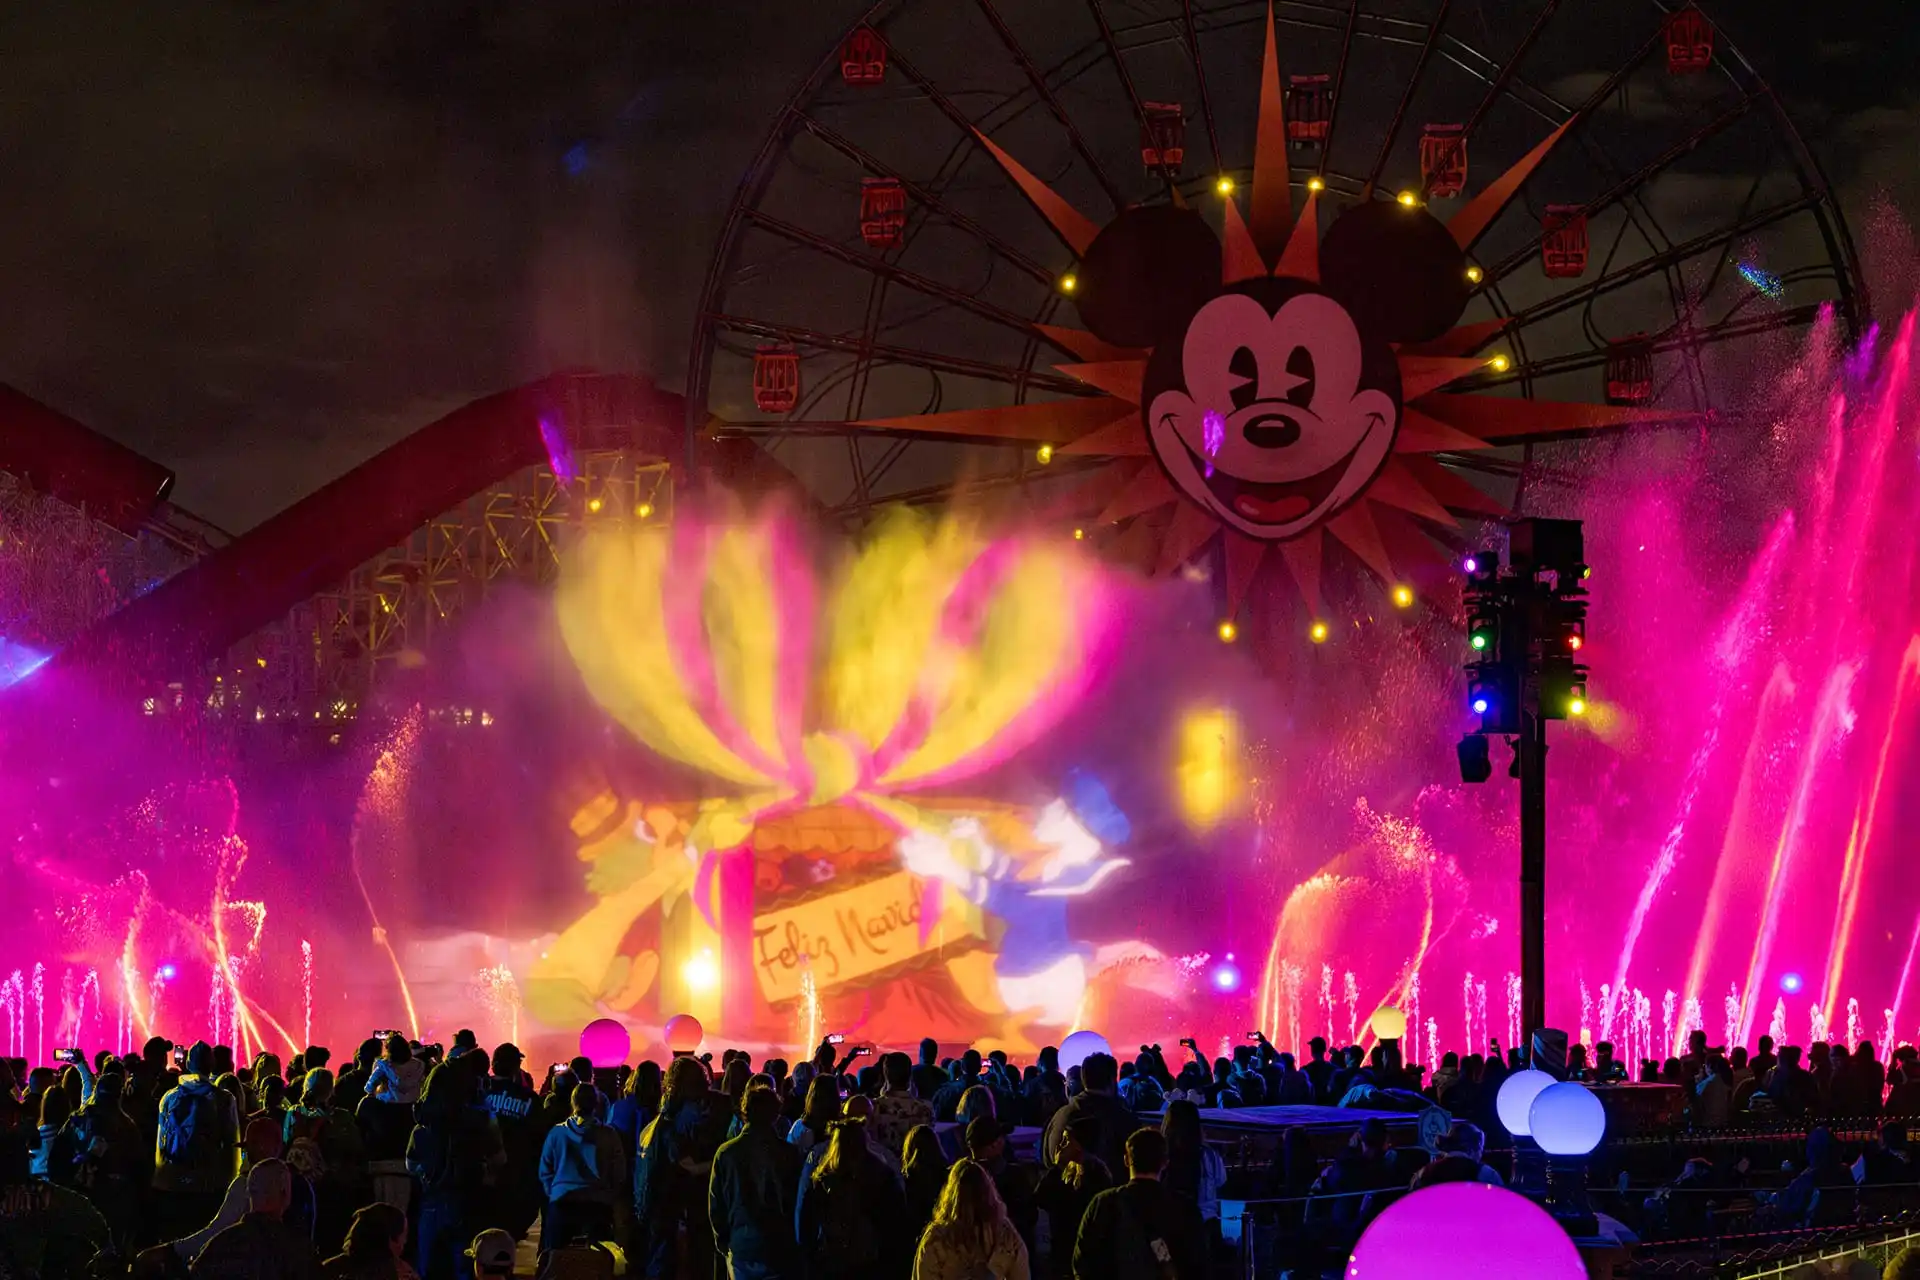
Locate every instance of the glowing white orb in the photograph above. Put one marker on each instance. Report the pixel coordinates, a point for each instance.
(1516, 1096)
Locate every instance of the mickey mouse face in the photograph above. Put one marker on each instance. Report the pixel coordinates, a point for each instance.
(1271, 410)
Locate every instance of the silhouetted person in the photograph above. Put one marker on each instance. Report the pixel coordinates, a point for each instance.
(1141, 1231)
(261, 1246)
(752, 1197)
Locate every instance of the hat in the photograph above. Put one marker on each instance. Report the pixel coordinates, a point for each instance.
(493, 1250)
(984, 1131)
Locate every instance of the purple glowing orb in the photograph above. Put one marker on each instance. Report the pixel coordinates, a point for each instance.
(1080, 1046)
(606, 1042)
(1483, 1232)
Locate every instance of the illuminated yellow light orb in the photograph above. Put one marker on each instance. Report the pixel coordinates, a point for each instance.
(1069, 282)
(1079, 535)
(1403, 597)
(1475, 275)
(1409, 199)
(701, 973)
(1318, 632)
(1316, 184)
(1208, 773)
(1577, 707)
(1228, 631)
(1224, 186)
(1500, 364)
(644, 510)
(1044, 454)
(593, 504)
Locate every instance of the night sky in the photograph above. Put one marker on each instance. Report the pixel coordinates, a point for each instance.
(262, 241)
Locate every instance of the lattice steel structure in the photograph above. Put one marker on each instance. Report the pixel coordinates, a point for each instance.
(326, 657)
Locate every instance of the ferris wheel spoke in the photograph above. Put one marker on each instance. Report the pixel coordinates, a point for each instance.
(1339, 86)
(1504, 76)
(853, 344)
(1392, 133)
(1200, 79)
(1613, 279)
(1119, 61)
(924, 198)
(1046, 95)
(894, 272)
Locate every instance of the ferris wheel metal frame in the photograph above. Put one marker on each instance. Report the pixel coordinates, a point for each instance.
(933, 199)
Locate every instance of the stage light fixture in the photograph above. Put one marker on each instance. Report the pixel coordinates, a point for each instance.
(1480, 705)
(1471, 564)
(644, 511)
(1576, 706)
(593, 505)
(1476, 762)
(1079, 535)
(1481, 638)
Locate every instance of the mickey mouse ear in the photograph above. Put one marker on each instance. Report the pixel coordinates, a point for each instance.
(1148, 269)
(1397, 270)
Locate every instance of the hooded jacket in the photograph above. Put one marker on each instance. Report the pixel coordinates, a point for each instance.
(583, 1157)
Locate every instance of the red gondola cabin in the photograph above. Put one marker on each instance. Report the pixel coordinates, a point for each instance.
(1563, 243)
(1163, 138)
(1689, 41)
(883, 212)
(1630, 371)
(863, 59)
(776, 378)
(1309, 106)
(1443, 160)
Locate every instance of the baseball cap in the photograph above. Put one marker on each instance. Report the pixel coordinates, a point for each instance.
(493, 1250)
(984, 1131)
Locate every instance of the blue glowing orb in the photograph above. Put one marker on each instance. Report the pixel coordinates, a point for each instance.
(1080, 1046)
(1566, 1119)
(1516, 1097)
(1480, 706)
(1790, 982)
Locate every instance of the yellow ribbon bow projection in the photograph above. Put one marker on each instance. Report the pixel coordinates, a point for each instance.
(933, 654)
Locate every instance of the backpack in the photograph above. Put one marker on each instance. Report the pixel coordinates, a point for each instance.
(189, 1128)
(305, 1154)
(580, 1262)
(849, 1239)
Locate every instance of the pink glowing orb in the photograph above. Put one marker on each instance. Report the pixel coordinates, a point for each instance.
(1483, 1232)
(683, 1033)
(605, 1042)
(1080, 1046)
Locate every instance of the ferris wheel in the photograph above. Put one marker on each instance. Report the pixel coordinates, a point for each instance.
(956, 256)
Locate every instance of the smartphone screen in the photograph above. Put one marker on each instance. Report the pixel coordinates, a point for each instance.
(836, 1038)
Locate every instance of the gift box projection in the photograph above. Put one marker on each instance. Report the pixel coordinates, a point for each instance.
(831, 870)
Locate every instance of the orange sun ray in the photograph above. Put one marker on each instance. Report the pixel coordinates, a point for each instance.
(1421, 374)
(1479, 212)
(1053, 422)
(1422, 434)
(1354, 527)
(1239, 256)
(1492, 417)
(1301, 260)
(1191, 528)
(1118, 378)
(1302, 556)
(1271, 216)
(1396, 487)
(1243, 557)
(1073, 226)
(1121, 438)
(1459, 341)
(1455, 493)
(1086, 346)
(1148, 489)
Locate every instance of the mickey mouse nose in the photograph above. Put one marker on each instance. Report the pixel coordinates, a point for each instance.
(1272, 431)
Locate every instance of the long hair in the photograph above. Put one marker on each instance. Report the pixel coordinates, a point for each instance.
(823, 1106)
(969, 1212)
(643, 1086)
(975, 1102)
(686, 1080)
(847, 1152)
(922, 1152)
(1180, 1126)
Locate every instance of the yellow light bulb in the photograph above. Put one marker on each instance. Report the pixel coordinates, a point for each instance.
(1316, 184)
(1577, 707)
(644, 510)
(1403, 597)
(1044, 454)
(1409, 199)
(1069, 282)
(1500, 364)
(1228, 632)
(1079, 535)
(1475, 275)
(1318, 632)
(1224, 186)
(593, 504)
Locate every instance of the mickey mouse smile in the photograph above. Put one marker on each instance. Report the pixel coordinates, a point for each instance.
(1272, 502)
